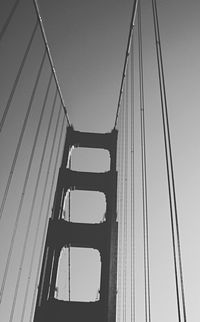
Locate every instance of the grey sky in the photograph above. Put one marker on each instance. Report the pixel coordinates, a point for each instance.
(88, 40)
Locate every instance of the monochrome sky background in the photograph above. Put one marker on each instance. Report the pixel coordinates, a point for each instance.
(87, 40)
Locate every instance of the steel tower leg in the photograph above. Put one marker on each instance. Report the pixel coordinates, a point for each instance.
(102, 236)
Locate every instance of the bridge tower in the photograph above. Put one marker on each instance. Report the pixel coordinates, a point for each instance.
(101, 236)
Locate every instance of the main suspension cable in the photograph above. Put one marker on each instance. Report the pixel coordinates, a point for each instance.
(126, 58)
(6, 24)
(170, 171)
(144, 175)
(37, 10)
(18, 77)
(20, 140)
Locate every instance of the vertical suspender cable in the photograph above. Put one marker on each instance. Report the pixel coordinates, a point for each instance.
(69, 250)
(125, 200)
(23, 194)
(20, 141)
(49, 201)
(121, 176)
(22, 198)
(167, 165)
(55, 167)
(170, 171)
(120, 159)
(17, 77)
(6, 24)
(144, 176)
(13, 167)
(33, 205)
(132, 188)
(172, 174)
(122, 196)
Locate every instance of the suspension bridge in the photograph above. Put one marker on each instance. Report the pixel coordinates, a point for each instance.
(90, 223)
